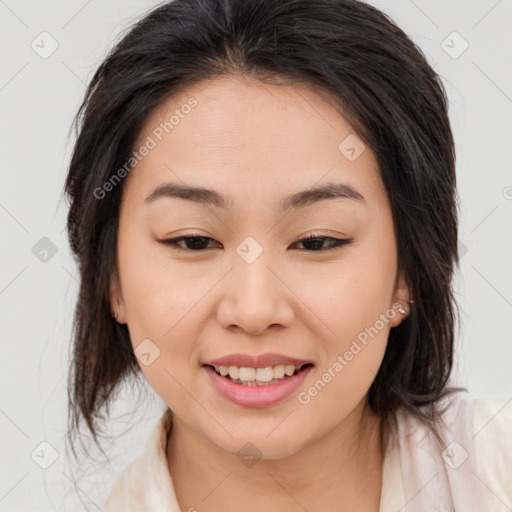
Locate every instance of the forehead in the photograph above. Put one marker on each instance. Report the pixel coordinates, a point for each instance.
(250, 139)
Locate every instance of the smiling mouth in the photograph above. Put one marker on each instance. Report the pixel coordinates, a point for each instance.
(259, 376)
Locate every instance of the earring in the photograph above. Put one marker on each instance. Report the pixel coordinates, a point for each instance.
(402, 310)
(114, 315)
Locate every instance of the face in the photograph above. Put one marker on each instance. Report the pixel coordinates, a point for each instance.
(249, 281)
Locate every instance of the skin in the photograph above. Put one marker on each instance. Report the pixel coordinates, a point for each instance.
(259, 143)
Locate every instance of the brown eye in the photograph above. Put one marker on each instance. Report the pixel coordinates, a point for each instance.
(199, 243)
(192, 243)
(316, 243)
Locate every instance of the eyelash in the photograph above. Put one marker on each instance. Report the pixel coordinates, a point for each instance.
(338, 242)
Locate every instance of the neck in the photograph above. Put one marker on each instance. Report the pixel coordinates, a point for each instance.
(340, 471)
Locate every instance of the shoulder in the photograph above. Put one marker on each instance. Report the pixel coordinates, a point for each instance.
(492, 436)
(472, 467)
(145, 484)
(485, 426)
(125, 486)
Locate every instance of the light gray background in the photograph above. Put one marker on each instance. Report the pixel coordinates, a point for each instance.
(38, 98)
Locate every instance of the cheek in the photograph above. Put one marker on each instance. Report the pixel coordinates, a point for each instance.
(352, 301)
(164, 310)
(353, 337)
(162, 315)
(157, 291)
(350, 294)
(353, 347)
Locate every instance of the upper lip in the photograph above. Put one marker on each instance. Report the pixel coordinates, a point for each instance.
(260, 361)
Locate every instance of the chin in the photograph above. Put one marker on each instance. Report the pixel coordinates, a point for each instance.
(260, 443)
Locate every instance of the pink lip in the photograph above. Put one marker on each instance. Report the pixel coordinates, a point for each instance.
(256, 396)
(260, 361)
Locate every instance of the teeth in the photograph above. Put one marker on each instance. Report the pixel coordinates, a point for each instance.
(266, 374)
(289, 370)
(233, 372)
(279, 371)
(244, 373)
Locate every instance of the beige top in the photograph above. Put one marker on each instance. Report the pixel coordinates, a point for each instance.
(472, 472)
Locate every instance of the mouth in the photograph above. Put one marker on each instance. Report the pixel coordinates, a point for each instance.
(266, 376)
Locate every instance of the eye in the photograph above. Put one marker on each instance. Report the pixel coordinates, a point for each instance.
(317, 241)
(198, 243)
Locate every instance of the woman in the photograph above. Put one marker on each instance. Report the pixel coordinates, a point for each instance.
(263, 208)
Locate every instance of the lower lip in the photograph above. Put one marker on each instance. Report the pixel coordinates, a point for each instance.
(256, 396)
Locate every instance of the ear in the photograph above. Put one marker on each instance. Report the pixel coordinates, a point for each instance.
(116, 300)
(400, 304)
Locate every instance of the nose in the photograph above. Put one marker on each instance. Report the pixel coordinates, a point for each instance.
(256, 297)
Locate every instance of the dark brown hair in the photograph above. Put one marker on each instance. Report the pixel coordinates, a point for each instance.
(384, 87)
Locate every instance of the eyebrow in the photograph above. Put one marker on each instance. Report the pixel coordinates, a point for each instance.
(294, 201)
